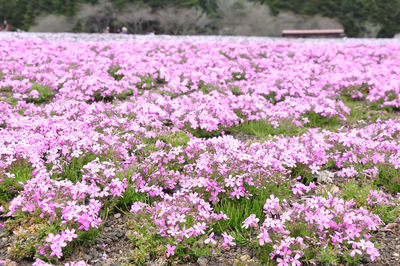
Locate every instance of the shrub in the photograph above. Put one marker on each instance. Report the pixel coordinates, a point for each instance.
(95, 18)
(242, 17)
(174, 20)
(137, 18)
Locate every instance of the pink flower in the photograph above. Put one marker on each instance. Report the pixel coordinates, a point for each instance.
(198, 228)
(57, 242)
(355, 251)
(264, 238)
(237, 192)
(170, 250)
(228, 240)
(251, 221)
(210, 239)
(159, 144)
(372, 252)
(39, 262)
(173, 230)
(34, 94)
(272, 205)
(172, 219)
(137, 206)
(69, 235)
(85, 220)
(230, 181)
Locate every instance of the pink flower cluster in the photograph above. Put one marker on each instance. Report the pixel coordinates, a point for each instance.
(170, 217)
(170, 87)
(58, 241)
(319, 76)
(330, 221)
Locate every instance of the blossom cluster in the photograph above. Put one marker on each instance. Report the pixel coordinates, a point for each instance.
(330, 221)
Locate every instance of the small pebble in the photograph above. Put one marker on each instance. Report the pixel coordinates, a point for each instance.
(10, 263)
(117, 215)
(396, 254)
(244, 258)
(202, 261)
(391, 225)
(96, 254)
(119, 234)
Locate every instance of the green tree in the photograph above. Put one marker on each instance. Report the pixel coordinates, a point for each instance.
(351, 13)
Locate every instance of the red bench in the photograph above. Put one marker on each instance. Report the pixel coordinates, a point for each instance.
(313, 33)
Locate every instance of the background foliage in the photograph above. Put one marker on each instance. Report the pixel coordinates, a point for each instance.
(352, 14)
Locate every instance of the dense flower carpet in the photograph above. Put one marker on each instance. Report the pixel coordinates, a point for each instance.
(291, 149)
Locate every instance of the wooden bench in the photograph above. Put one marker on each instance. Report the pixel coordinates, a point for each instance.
(313, 33)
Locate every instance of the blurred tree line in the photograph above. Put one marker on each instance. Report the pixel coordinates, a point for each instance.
(352, 14)
(21, 13)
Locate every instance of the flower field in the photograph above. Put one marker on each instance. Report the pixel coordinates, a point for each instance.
(291, 149)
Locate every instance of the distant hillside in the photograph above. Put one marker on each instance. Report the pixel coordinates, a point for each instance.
(358, 17)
